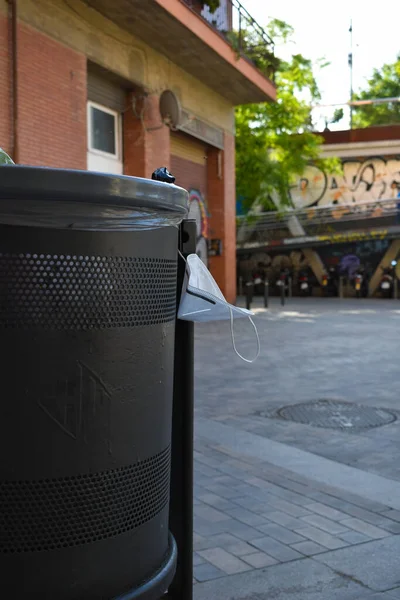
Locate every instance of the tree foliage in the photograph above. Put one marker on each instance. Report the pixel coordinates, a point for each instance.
(250, 43)
(212, 5)
(384, 83)
(274, 141)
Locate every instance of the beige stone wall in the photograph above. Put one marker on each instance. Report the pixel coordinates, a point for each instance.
(81, 28)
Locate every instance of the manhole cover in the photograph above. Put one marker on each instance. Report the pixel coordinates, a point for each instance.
(336, 414)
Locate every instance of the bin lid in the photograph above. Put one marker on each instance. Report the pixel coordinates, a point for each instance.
(44, 196)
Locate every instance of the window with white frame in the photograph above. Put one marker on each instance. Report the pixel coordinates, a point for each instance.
(104, 131)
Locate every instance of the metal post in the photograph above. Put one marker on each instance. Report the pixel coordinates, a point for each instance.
(240, 286)
(181, 499)
(395, 284)
(290, 287)
(283, 293)
(266, 292)
(350, 60)
(340, 287)
(240, 30)
(249, 294)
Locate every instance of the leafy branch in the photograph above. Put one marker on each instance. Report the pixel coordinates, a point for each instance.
(274, 141)
(212, 5)
(252, 45)
(383, 83)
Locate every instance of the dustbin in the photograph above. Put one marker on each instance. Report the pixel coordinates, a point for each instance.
(88, 266)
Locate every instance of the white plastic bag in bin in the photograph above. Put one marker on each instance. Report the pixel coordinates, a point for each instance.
(202, 300)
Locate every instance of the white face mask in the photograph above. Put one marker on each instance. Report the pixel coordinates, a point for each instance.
(202, 301)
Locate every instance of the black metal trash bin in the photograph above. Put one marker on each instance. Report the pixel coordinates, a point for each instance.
(88, 267)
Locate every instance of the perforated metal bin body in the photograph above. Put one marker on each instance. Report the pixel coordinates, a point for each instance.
(87, 321)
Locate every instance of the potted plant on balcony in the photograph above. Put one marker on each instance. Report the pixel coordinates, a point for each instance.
(198, 5)
(252, 45)
(212, 5)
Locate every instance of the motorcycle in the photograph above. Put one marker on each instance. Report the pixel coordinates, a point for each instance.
(304, 285)
(258, 279)
(282, 280)
(386, 283)
(324, 283)
(358, 280)
(332, 287)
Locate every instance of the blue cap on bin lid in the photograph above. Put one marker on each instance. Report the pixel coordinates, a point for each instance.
(41, 196)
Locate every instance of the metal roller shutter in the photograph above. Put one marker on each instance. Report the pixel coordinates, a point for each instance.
(189, 165)
(106, 92)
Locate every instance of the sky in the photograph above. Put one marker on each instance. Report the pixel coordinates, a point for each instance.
(322, 30)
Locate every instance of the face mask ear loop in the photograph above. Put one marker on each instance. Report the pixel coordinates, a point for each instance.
(234, 345)
(182, 257)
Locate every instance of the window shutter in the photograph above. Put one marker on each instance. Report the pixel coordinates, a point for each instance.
(106, 92)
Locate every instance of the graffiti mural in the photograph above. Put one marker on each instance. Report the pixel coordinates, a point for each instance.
(349, 257)
(198, 212)
(346, 258)
(365, 180)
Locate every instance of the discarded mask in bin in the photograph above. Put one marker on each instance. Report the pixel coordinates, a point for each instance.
(5, 159)
(202, 301)
(88, 267)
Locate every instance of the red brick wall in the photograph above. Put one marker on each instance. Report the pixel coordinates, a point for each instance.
(230, 216)
(133, 142)
(222, 209)
(52, 102)
(5, 87)
(216, 182)
(369, 134)
(146, 140)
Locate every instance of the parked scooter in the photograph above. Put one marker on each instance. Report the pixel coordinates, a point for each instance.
(358, 280)
(324, 283)
(333, 282)
(304, 283)
(282, 279)
(387, 281)
(258, 277)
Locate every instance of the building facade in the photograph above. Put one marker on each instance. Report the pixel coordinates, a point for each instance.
(351, 218)
(81, 88)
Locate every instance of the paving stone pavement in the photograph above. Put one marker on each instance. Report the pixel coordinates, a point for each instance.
(262, 516)
(264, 531)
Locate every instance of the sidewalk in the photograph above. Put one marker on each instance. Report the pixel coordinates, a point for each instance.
(274, 520)
(254, 518)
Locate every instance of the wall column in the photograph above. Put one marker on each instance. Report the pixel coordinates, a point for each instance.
(146, 138)
(221, 198)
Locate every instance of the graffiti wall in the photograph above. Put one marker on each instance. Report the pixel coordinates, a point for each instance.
(198, 212)
(269, 264)
(345, 258)
(366, 180)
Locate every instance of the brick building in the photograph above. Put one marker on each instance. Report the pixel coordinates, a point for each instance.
(81, 87)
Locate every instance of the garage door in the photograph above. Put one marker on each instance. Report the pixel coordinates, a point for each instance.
(189, 165)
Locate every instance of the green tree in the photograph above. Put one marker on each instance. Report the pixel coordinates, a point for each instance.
(212, 5)
(384, 83)
(274, 141)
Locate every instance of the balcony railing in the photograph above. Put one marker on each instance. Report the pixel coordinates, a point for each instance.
(233, 22)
